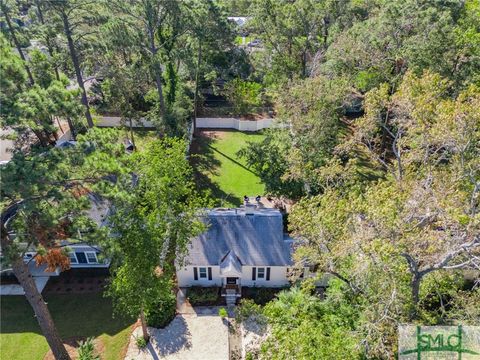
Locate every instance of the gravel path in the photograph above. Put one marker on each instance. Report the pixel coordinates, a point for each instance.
(199, 336)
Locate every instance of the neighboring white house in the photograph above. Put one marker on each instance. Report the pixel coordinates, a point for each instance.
(241, 247)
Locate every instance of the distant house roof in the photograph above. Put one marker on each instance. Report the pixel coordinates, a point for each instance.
(252, 239)
(239, 20)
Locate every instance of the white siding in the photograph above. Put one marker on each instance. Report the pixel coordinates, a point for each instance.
(278, 277)
(185, 277)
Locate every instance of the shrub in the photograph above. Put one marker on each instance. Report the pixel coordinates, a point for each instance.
(86, 350)
(162, 312)
(261, 295)
(140, 342)
(246, 309)
(222, 313)
(203, 295)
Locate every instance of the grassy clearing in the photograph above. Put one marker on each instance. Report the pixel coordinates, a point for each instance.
(218, 168)
(76, 316)
(239, 40)
(141, 137)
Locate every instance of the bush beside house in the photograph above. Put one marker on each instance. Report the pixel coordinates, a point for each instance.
(204, 296)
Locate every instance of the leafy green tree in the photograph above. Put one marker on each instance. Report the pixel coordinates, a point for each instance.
(152, 16)
(78, 19)
(388, 239)
(245, 96)
(268, 159)
(6, 9)
(304, 327)
(211, 37)
(47, 32)
(291, 33)
(154, 218)
(402, 35)
(310, 114)
(35, 108)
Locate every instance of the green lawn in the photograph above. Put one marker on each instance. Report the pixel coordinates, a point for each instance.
(239, 40)
(217, 166)
(141, 137)
(79, 316)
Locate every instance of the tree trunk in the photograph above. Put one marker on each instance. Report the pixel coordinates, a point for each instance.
(146, 337)
(15, 41)
(20, 269)
(72, 128)
(326, 22)
(157, 69)
(131, 134)
(76, 65)
(195, 96)
(41, 137)
(415, 284)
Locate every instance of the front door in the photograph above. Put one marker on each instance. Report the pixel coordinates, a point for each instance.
(232, 280)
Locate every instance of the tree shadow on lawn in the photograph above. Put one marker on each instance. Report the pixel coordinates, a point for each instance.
(74, 315)
(203, 161)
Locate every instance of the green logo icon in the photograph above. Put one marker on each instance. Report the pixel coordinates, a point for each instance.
(439, 342)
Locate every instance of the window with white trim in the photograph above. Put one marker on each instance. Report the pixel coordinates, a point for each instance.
(91, 257)
(73, 257)
(261, 273)
(203, 272)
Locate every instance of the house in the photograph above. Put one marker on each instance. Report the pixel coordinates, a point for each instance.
(82, 255)
(241, 247)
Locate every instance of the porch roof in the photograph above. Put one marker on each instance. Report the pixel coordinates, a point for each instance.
(231, 266)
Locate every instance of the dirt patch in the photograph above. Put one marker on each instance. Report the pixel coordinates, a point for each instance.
(234, 339)
(213, 134)
(72, 345)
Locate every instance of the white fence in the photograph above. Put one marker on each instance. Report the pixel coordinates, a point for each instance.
(114, 121)
(206, 123)
(234, 123)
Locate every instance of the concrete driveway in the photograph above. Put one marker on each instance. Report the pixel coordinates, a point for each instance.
(199, 336)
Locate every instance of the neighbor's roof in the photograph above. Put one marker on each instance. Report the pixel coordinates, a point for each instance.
(256, 239)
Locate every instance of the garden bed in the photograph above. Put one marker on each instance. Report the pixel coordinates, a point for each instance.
(205, 296)
(260, 295)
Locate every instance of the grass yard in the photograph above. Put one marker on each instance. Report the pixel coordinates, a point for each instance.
(76, 316)
(141, 137)
(218, 168)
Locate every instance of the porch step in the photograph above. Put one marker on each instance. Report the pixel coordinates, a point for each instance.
(231, 300)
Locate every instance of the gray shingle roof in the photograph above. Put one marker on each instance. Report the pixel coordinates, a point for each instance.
(256, 239)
